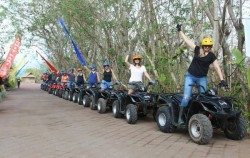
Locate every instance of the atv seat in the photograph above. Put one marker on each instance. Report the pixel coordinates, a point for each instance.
(178, 97)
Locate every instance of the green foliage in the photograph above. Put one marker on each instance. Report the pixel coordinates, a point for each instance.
(238, 57)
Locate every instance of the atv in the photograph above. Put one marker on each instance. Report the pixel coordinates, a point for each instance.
(61, 89)
(51, 87)
(204, 112)
(65, 92)
(71, 91)
(140, 103)
(108, 97)
(89, 96)
(77, 93)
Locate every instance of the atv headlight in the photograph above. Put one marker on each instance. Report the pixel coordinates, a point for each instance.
(147, 97)
(222, 103)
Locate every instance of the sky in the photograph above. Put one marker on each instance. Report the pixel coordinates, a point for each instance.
(246, 22)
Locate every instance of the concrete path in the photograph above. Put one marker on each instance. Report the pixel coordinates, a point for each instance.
(35, 124)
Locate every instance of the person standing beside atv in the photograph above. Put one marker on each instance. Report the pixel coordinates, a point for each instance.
(93, 77)
(80, 78)
(137, 70)
(198, 69)
(108, 74)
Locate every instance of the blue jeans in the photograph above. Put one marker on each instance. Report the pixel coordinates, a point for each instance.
(105, 84)
(189, 80)
(70, 83)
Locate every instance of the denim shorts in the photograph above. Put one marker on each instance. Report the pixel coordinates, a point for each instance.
(132, 86)
(105, 84)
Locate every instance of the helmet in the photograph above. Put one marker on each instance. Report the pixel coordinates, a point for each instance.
(79, 69)
(92, 66)
(207, 42)
(136, 57)
(106, 63)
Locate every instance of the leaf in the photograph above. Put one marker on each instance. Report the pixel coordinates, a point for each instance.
(238, 56)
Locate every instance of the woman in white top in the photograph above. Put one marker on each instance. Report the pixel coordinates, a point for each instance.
(137, 70)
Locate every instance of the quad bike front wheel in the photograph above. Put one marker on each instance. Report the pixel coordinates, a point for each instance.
(66, 95)
(200, 129)
(131, 113)
(116, 109)
(164, 120)
(101, 105)
(236, 129)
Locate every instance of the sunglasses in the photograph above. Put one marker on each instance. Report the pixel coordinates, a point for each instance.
(205, 46)
(137, 59)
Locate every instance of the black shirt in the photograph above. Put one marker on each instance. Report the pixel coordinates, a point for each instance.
(200, 65)
(107, 76)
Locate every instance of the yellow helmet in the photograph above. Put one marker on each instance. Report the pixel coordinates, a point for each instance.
(207, 42)
(79, 69)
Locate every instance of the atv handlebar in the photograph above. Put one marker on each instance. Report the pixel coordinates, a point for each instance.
(218, 86)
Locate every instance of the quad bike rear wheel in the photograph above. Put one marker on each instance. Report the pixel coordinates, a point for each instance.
(236, 129)
(66, 95)
(101, 105)
(86, 101)
(79, 99)
(70, 96)
(56, 92)
(75, 97)
(50, 91)
(92, 103)
(164, 121)
(60, 93)
(200, 129)
(131, 113)
(116, 109)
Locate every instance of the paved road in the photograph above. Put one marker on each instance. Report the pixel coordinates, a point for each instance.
(35, 124)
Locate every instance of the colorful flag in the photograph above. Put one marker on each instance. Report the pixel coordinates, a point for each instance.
(5, 68)
(77, 51)
(53, 69)
(19, 72)
(21, 62)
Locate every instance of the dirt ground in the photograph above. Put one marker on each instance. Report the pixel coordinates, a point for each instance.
(35, 124)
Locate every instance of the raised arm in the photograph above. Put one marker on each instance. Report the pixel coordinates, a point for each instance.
(126, 60)
(87, 68)
(185, 38)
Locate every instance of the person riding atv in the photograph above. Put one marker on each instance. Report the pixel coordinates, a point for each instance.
(198, 69)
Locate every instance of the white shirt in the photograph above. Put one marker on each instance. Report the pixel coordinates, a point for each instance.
(136, 73)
